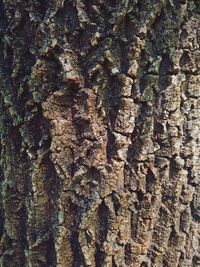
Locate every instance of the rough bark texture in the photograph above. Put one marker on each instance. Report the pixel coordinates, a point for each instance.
(100, 130)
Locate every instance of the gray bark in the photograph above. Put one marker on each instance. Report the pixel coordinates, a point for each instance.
(99, 130)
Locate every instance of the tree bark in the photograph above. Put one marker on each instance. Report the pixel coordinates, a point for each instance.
(99, 129)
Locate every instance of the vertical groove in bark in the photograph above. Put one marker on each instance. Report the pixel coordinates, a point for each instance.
(99, 131)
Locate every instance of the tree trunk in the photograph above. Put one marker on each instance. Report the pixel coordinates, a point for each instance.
(99, 126)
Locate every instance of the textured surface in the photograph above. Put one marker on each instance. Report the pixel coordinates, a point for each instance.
(100, 130)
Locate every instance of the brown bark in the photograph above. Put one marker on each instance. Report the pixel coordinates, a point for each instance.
(99, 133)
